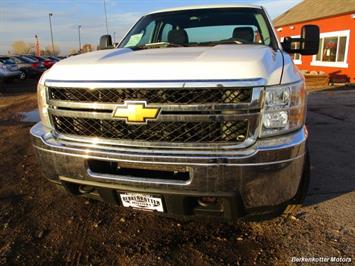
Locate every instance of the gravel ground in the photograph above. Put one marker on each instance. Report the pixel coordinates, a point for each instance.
(41, 225)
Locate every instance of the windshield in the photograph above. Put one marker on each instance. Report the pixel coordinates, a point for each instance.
(30, 57)
(7, 61)
(201, 27)
(27, 60)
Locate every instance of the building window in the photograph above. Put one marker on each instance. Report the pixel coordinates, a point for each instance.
(333, 49)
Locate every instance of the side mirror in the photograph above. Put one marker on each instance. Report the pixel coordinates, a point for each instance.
(308, 44)
(105, 42)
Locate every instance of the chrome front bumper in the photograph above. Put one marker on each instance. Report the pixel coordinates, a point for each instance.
(268, 173)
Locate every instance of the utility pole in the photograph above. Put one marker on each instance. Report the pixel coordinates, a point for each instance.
(106, 16)
(37, 47)
(79, 27)
(50, 26)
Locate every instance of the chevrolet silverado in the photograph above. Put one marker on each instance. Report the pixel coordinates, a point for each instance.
(197, 111)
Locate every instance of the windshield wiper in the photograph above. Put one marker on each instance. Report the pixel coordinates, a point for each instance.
(228, 41)
(156, 45)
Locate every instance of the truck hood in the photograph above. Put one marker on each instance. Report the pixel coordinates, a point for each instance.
(221, 62)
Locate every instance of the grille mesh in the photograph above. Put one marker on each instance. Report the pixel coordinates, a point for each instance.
(161, 96)
(158, 131)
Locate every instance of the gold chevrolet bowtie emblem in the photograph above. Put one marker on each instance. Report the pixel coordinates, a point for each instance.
(136, 112)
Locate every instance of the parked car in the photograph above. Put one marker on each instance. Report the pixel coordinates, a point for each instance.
(8, 69)
(29, 67)
(53, 58)
(198, 111)
(48, 63)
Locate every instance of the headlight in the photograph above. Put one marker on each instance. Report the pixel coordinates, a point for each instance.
(284, 109)
(42, 103)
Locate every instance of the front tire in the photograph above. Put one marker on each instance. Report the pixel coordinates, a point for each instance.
(23, 75)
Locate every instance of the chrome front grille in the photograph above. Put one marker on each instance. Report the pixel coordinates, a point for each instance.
(153, 95)
(195, 116)
(183, 132)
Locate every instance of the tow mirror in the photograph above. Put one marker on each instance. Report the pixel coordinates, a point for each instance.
(105, 42)
(308, 44)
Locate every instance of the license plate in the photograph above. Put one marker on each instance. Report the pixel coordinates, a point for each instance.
(142, 202)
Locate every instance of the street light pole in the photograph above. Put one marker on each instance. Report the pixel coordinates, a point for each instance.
(106, 17)
(50, 26)
(79, 27)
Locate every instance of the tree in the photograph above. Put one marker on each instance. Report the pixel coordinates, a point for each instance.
(87, 48)
(49, 50)
(21, 47)
(72, 51)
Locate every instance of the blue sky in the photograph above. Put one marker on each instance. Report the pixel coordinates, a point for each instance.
(21, 20)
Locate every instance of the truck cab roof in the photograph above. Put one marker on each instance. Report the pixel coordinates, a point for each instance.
(193, 7)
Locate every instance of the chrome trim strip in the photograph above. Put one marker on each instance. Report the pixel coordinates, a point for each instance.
(90, 142)
(227, 116)
(254, 104)
(138, 180)
(156, 83)
(221, 163)
(217, 160)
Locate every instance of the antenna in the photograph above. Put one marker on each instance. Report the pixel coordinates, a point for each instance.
(106, 16)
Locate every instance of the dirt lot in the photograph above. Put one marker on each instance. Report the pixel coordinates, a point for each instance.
(40, 225)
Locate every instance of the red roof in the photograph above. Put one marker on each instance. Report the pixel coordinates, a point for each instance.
(314, 9)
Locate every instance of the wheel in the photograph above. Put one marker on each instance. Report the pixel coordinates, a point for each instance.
(23, 75)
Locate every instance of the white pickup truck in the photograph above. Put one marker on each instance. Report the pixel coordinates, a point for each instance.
(197, 111)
